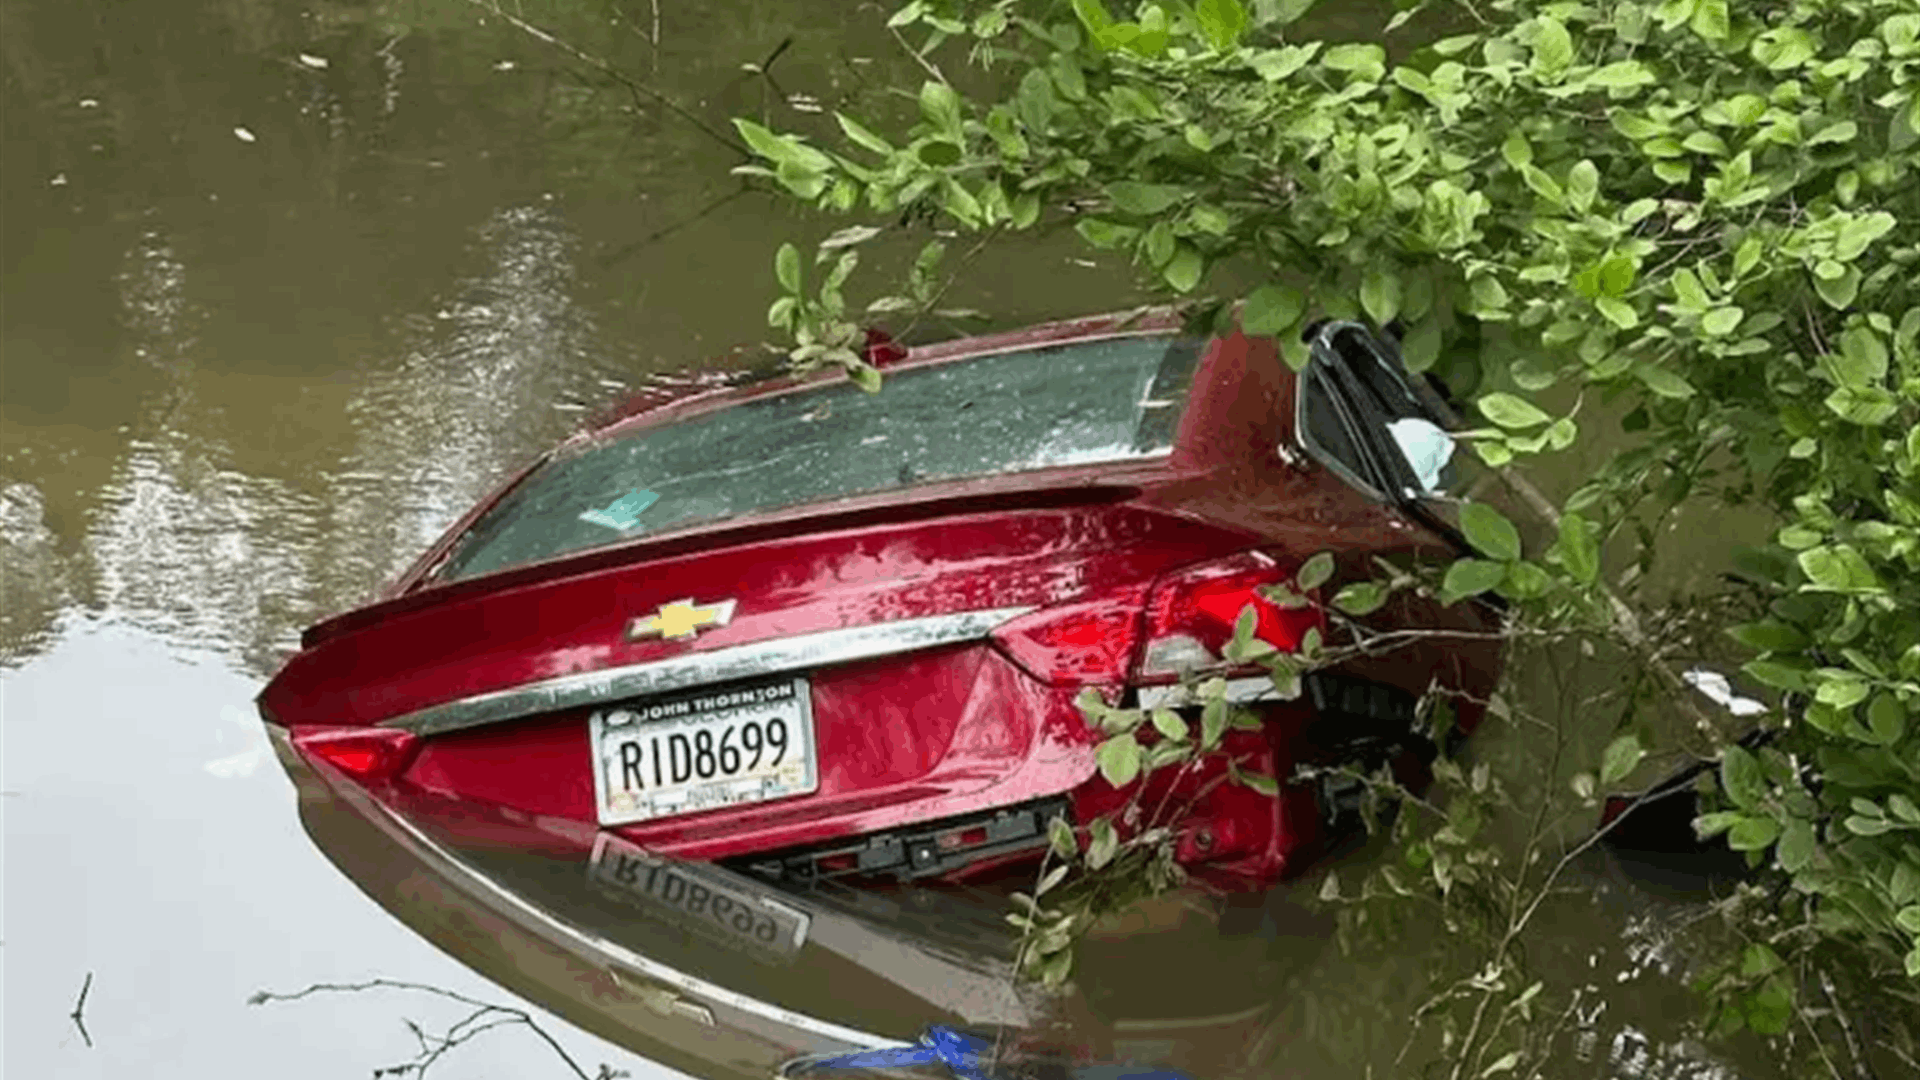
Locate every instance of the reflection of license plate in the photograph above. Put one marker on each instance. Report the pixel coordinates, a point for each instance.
(705, 900)
(702, 749)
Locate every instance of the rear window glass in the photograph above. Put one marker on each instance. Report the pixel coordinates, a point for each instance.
(1082, 403)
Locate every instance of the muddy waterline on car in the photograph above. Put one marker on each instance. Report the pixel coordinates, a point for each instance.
(287, 287)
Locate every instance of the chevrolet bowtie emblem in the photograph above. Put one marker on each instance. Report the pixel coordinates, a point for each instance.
(680, 620)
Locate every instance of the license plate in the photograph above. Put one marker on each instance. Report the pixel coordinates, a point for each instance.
(707, 901)
(702, 749)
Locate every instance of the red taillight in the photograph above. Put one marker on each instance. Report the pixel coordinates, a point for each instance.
(1192, 613)
(1074, 644)
(364, 754)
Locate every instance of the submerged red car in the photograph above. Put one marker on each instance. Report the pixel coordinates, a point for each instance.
(809, 630)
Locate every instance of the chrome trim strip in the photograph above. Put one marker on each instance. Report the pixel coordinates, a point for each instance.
(696, 669)
(1255, 688)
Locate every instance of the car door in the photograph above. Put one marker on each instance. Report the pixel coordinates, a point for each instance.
(1383, 429)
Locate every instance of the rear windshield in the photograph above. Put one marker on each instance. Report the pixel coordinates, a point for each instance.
(1081, 403)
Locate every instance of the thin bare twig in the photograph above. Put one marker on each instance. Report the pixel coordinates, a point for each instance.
(634, 87)
(460, 1032)
(668, 230)
(79, 1010)
(929, 66)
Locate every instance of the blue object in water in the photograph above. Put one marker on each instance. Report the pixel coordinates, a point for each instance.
(965, 1056)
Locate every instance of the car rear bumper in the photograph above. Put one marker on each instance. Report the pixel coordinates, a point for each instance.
(744, 1035)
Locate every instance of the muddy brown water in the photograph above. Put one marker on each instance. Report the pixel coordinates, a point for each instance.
(286, 287)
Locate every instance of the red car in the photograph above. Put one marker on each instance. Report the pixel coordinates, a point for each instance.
(807, 630)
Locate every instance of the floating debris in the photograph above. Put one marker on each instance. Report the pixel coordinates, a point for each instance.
(505, 65)
(243, 134)
(89, 103)
(318, 63)
(59, 180)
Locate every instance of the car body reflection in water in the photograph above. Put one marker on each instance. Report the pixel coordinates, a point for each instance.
(721, 974)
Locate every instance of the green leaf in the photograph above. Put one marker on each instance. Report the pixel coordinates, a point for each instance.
(1093, 15)
(1869, 406)
(1133, 197)
(1722, 321)
(941, 106)
(1504, 1063)
(786, 267)
(1516, 150)
(1260, 782)
(939, 153)
(1862, 359)
(1583, 183)
(1470, 577)
(1169, 724)
(1908, 919)
(1663, 382)
(1158, 244)
(1617, 311)
(1422, 346)
(1769, 635)
(1838, 292)
(1621, 757)
(1361, 598)
(1579, 548)
(1380, 295)
(1060, 836)
(862, 136)
(1759, 959)
(1271, 309)
(1315, 572)
(1552, 46)
(1184, 269)
(1838, 568)
(1490, 531)
(1511, 412)
(1688, 291)
(1710, 20)
(1223, 21)
(865, 376)
(1104, 235)
(1214, 716)
(1367, 62)
(1784, 47)
(1740, 777)
(1866, 826)
(1273, 65)
(1621, 75)
(1102, 842)
(1708, 826)
(1753, 834)
(1777, 675)
(1886, 719)
(1843, 132)
(1119, 759)
(1859, 233)
(1797, 845)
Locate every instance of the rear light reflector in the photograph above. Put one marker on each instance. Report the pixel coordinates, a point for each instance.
(365, 754)
(1193, 611)
(1076, 644)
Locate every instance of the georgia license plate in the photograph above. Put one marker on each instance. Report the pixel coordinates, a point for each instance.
(704, 899)
(702, 749)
